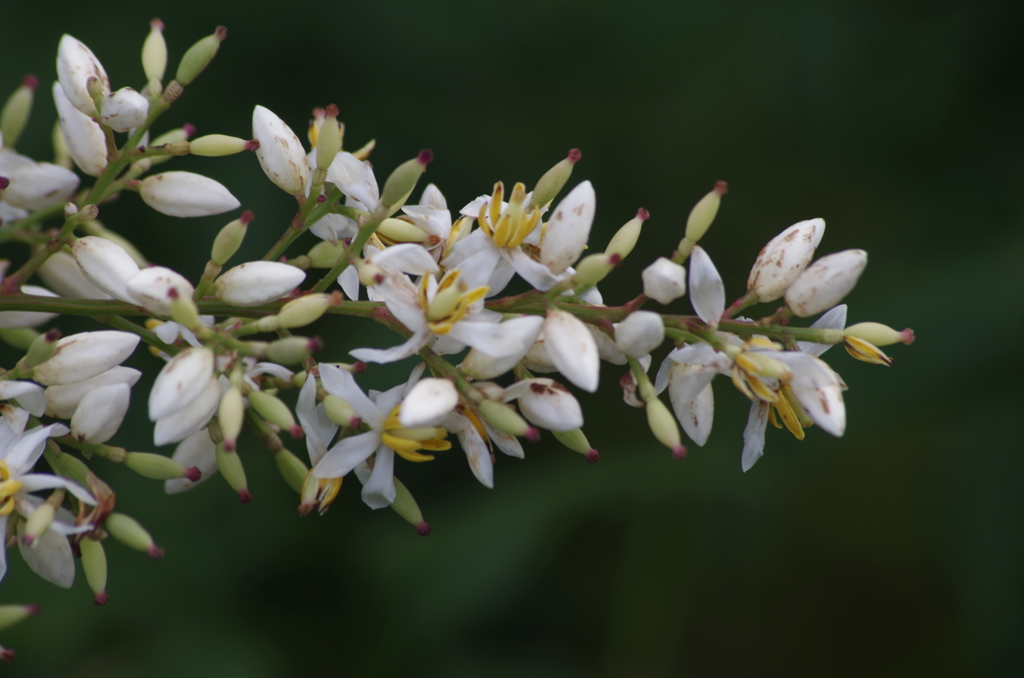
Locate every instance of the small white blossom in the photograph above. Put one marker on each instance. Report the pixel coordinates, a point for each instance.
(40, 185)
(568, 229)
(84, 137)
(180, 382)
(707, 292)
(664, 281)
(428, 402)
(826, 282)
(151, 288)
(784, 258)
(100, 413)
(62, 400)
(191, 418)
(639, 333)
(546, 403)
(572, 349)
(106, 265)
(280, 153)
(184, 194)
(75, 65)
(124, 110)
(258, 282)
(85, 355)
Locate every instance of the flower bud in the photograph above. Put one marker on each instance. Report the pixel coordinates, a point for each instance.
(784, 258)
(82, 136)
(124, 109)
(152, 288)
(42, 348)
(306, 309)
(189, 419)
(100, 414)
(39, 186)
(546, 403)
(567, 231)
(576, 441)
(75, 65)
(107, 265)
(403, 180)
(406, 507)
(231, 416)
(826, 282)
(63, 401)
(159, 467)
(572, 349)
(198, 455)
(231, 468)
(328, 141)
(340, 411)
(640, 333)
(703, 213)
(664, 281)
(180, 382)
(199, 56)
(61, 274)
(230, 239)
(12, 614)
(663, 426)
(428, 402)
(258, 282)
(549, 185)
(216, 145)
(291, 350)
(38, 522)
(94, 564)
(291, 468)
(154, 53)
(505, 419)
(624, 240)
(184, 311)
(879, 334)
(280, 153)
(16, 111)
(275, 411)
(129, 532)
(85, 355)
(594, 268)
(184, 194)
(325, 255)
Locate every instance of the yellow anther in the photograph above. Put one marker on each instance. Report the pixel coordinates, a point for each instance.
(866, 351)
(8, 488)
(762, 365)
(740, 382)
(789, 417)
(407, 442)
(495, 206)
(319, 492)
(761, 343)
(801, 414)
(153, 323)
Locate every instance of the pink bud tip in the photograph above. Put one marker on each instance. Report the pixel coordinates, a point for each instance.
(189, 129)
(321, 198)
(221, 33)
(32, 610)
(314, 344)
(247, 217)
(193, 474)
(7, 655)
(357, 367)
(28, 539)
(332, 111)
(155, 552)
(157, 25)
(423, 529)
(173, 293)
(305, 508)
(679, 452)
(642, 214)
(425, 157)
(296, 432)
(907, 336)
(355, 422)
(592, 456)
(574, 156)
(252, 145)
(52, 335)
(30, 81)
(4, 183)
(532, 434)
(615, 259)
(100, 598)
(244, 495)
(721, 188)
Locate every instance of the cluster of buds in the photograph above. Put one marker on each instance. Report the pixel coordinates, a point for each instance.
(486, 370)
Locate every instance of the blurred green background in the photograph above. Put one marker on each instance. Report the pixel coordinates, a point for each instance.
(895, 550)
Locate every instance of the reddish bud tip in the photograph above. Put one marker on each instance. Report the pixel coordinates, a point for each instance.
(7, 655)
(30, 81)
(532, 434)
(314, 344)
(100, 598)
(221, 33)
(321, 198)
(721, 188)
(32, 610)
(193, 474)
(296, 432)
(332, 111)
(642, 214)
(189, 129)
(305, 508)
(358, 366)
(252, 145)
(907, 336)
(319, 112)
(592, 456)
(615, 259)
(244, 495)
(156, 25)
(575, 155)
(247, 217)
(679, 452)
(173, 293)
(425, 157)
(4, 183)
(28, 539)
(155, 552)
(337, 299)
(53, 334)
(355, 422)
(423, 529)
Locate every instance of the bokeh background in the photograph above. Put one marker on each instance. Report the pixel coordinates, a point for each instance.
(896, 550)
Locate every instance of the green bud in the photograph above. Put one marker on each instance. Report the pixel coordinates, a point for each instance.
(663, 425)
(38, 522)
(325, 255)
(217, 145)
(576, 441)
(400, 230)
(592, 269)
(20, 338)
(554, 180)
(154, 54)
(231, 415)
(94, 563)
(231, 468)
(74, 468)
(405, 505)
(339, 411)
(199, 56)
(505, 419)
(42, 348)
(306, 309)
(158, 467)
(275, 411)
(17, 110)
(174, 136)
(230, 238)
(624, 240)
(129, 532)
(328, 141)
(291, 469)
(403, 180)
(291, 350)
(879, 334)
(184, 311)
(12, 614)
(703, 213)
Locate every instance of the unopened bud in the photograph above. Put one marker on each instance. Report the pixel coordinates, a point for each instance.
(42, 348)
(624, 240)
(38, 522)
(663, 426)
(340, 411)
(306, 309)
(328, 141)
(154, 53)
(664, 281)
(403, 180)
(879, 334)
(369, 275)
(291, 350)
(594, 268)
(275, 411)
(640, 333)
(12, 614)
(399, 230)
(231, 415)
(576, 441)
(405, 506)
(549, 185)
(291, 469)
(184, 311)
(129, 532)
(124, 109)
(703, 213)
(216, 145)
(507, 420)
(199, 56)
(159, 467)
(230, 238)
(94, 563)
(231, 468)
(16, 111)
(825, 282)
(20, 338)
(325, 255)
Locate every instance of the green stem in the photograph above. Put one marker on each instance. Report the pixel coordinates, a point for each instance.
(147, 336)
(355, 247)
(310, 213)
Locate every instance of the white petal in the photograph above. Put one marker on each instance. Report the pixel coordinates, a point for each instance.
(75, 65)
(568, 228)
(379, 489)
(280, 153)
(49, 556)
(354, 178)
(833, 319)
(29, 395)
(61, 274)
(395, 353)
(196, 450)
(505, 442)
(62, 401)
(428, 402)
(40, 185)
(826, 282)
(85, 140)
(546, 403)
(349, 281)
(696, 416)
(180, 382)
(477, 454)
(189, 419)
(707, 292)
(817, 389)
(23, 454)
(525, 329)
(106, 265)
(342, 384)
(572, 349)
(533, 272)
(34, 482)
(494, 339)
(152, 287)
(408, 258)
(258, 282)
(639, 333)
(784, 258)
(124, 110)
(185, 194)
(319, 429)
(346, 454)
(753, 434)
(100, 414)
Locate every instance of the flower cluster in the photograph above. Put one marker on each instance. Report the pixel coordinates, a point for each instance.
(488, 369)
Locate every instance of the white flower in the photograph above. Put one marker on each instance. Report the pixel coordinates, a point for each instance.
(75, 65)
(85, 355)
(191, 418)
(639, 333)
(151, 288)
(180, 382)
(106, 265)
(826, 282)
(184, 194)
(480, 365)
(62, 401)
(29, 395)
(546, 403)
(664, 281)
(784, 258)
(280, 153)
(258, 282)
(100, 413)
(124, 110)
(572, 349)
(84, 137)
(196, 450)
(40, 185)
(568, 229)
(428, 402)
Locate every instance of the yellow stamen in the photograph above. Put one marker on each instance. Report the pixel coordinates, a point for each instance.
(406, 442)
(740, 382)
(801, 413)
(8, 488)
(789, 418)
(866, 351)
(496, 198)
(771, 418)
